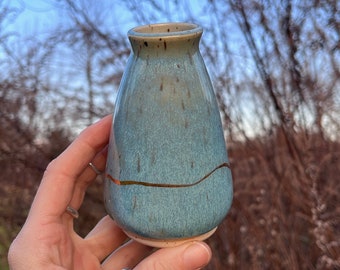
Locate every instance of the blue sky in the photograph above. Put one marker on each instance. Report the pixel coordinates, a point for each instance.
(32, 16)
(35, 17)
(38, 16)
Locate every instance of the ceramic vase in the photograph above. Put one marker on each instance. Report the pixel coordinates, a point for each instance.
(168, 178)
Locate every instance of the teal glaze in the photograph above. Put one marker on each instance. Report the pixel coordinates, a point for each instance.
(163, 179)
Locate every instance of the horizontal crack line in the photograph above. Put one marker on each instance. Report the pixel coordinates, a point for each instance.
(148, 184)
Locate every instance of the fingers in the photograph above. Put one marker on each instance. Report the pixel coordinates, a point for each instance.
(58, 184)
(76, 157)
(193, 255)
(105, 237)
(127, 256)
(87, 177)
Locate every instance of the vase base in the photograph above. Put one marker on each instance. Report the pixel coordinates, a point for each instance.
(162, 243)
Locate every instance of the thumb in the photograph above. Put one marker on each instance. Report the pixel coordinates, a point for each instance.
(189, 256)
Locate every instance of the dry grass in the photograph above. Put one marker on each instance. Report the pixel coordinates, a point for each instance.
(285, 213)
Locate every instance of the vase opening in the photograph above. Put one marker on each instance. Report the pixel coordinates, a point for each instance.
(165, 29)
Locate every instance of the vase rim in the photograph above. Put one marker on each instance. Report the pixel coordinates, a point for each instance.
(166, 30)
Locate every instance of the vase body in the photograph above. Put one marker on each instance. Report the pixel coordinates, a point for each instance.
(167, 177)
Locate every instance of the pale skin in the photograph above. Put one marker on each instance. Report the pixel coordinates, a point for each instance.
(48, 241)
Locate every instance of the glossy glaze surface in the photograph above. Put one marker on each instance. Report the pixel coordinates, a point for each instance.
(167, 175)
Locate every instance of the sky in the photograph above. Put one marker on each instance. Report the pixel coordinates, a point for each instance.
(36, 17)
(32, 16)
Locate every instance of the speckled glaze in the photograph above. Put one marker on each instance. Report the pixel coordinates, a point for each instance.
(167, 176)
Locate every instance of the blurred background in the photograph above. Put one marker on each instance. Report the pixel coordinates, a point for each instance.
(275, 66)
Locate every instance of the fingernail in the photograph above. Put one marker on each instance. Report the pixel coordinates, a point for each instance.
(197, 255)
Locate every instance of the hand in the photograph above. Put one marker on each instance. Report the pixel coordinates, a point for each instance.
(48, 241)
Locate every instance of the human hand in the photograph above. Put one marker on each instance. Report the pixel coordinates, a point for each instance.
(48, 240)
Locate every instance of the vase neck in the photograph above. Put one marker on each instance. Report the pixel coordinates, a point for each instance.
(167, 38)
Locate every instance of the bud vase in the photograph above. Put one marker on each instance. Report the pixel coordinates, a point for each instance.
(168, 178)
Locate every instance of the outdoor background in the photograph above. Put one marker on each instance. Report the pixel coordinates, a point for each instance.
(275, 66)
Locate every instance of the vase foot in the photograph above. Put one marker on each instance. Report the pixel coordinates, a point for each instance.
(162, 243)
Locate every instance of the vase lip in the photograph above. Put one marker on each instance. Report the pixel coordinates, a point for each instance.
(166, 30)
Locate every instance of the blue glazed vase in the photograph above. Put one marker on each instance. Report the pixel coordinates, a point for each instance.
(167, 178)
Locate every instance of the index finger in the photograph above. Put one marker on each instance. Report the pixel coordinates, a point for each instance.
(57, 186)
